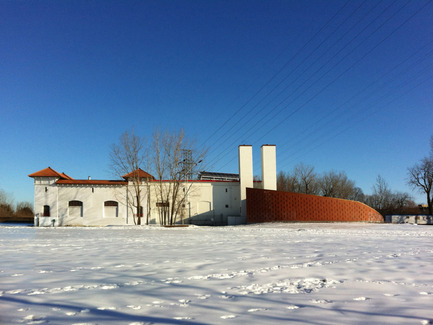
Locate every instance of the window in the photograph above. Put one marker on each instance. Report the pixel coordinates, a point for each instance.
(75, 203)
(111, 209)
(75, 209)
(46, 211)
(111, 204)
(140, 212)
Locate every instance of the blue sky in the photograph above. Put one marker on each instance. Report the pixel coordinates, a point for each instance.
(339, 85)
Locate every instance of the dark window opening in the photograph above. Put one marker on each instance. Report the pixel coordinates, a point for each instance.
(111, 204)
(75, 203)
(46, 211)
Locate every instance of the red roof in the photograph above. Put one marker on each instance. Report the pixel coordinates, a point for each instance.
(66, 176)
(90, 182)
(140, 173)
(47, 172)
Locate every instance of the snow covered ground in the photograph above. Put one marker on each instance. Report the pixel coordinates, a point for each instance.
(257, 274)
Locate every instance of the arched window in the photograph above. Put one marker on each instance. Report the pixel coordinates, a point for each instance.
(111, 209)
(75, 203)
(111, 204)
(75, 209)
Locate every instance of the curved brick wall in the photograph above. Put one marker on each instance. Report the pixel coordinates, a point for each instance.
(269, 206)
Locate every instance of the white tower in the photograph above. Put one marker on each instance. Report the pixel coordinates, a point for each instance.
(269, 167)
(245, 175)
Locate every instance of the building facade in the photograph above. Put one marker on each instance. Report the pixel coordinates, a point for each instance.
(64, 201)
(61, 200)
(216, 199)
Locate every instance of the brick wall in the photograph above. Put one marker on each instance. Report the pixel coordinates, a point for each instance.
(269, 206)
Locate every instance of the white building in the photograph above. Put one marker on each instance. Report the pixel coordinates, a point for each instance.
(61, 200)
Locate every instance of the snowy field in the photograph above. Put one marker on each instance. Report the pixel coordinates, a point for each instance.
(259, 274)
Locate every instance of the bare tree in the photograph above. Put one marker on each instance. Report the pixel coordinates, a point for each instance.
(287, 182)
(6, 205)
(401, 201)
(281, 181)
(6, 198)
(127, 157)
(386, 201)
(333, 184)
(357, 195)
(305, 179)
(421, 178)
(380, 200)
(24, 210)
(174, 161)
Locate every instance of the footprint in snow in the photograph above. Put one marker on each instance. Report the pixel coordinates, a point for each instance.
(32, 319)
(172, 281)
(361, 298)
(109, 286)
(107, 308)
(427, 322)
(321, 301)
(134, 307)
(184, 302)
(157, 302)
(253, 310)
(70, 313)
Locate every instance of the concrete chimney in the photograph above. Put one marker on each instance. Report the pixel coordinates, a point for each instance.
(245, 175)
(269, 167)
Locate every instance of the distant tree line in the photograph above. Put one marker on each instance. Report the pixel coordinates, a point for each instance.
(9, 212)
(303, 179)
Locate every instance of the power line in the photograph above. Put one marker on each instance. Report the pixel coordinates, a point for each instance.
(322, 76)
(251, 113)
(350, 126)
(273, 77)
(352, 65)
(384, 84)
(367, 53)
